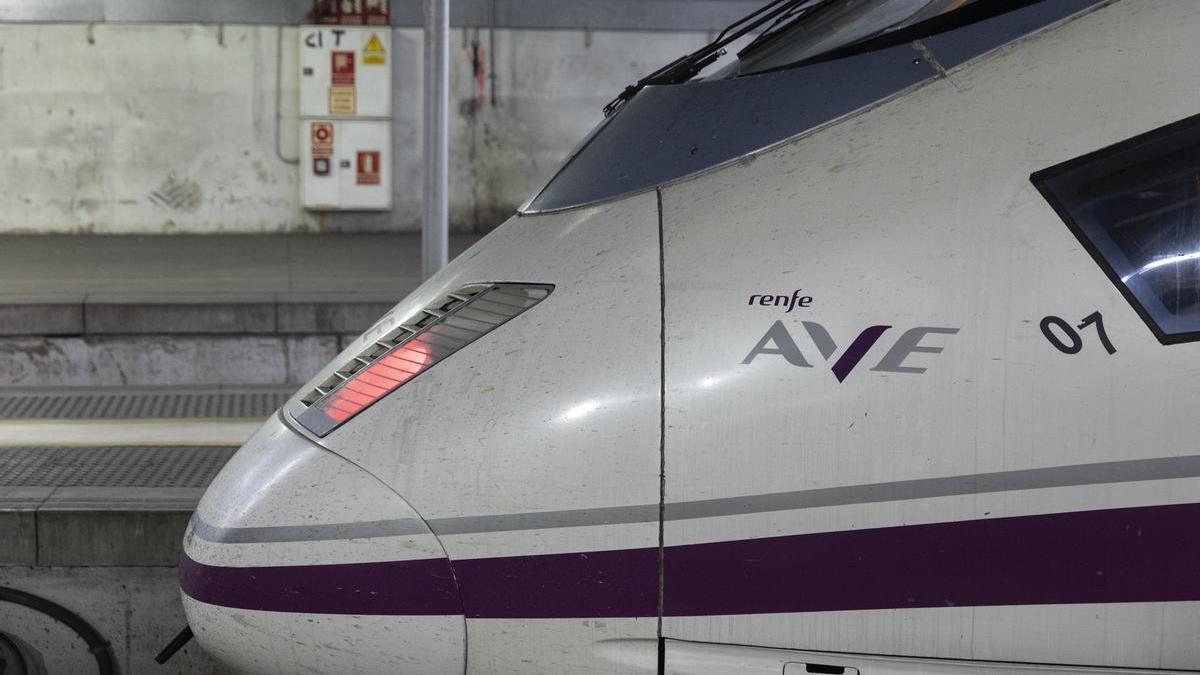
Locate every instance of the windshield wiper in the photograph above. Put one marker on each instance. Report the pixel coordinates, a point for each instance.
(783, 21)
(779, 12)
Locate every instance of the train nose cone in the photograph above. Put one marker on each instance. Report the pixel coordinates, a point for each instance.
(297, 561)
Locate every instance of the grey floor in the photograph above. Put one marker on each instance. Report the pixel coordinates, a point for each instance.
(72, 267)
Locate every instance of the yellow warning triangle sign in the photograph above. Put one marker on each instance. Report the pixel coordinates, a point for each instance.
(373, 51)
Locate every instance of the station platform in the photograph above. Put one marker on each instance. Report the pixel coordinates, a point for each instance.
(110, 477)
(131, 369)
(96, 489)
(53, 285)
(212, 310)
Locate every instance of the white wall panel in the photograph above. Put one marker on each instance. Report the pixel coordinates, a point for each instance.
(127, 128)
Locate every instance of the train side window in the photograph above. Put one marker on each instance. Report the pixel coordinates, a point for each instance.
(1135, 207)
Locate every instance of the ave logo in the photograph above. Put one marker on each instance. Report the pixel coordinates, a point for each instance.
(778, 341)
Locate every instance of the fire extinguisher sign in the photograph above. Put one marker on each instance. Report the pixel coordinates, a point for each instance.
(322, 139)
(368, 167)
(341, 68)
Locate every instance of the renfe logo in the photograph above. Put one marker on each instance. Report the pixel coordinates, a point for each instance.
(778, 341)
(791, 302)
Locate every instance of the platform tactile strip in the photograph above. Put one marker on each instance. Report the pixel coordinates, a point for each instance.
(140, 405)
(111, 466)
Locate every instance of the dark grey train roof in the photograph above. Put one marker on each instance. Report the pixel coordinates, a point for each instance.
(668, 132)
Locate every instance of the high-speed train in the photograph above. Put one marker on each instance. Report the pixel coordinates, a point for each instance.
(872, 348)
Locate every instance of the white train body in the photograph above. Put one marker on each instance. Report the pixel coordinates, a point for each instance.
(901, 464)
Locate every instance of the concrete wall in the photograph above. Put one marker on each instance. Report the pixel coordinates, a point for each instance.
(119, 128)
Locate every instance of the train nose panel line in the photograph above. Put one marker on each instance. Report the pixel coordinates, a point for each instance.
(395, 527)
(289, 531)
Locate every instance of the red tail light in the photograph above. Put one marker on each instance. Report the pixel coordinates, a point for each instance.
(413, 348)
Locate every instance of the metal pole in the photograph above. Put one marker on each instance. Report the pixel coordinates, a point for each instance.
(435, 223)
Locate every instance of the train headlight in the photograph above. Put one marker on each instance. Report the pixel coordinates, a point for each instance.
(412, 348)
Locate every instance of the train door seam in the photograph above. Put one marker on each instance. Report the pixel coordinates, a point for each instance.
(662, 429)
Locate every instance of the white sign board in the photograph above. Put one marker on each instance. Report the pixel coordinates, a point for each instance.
(346, 164)
(345, 71)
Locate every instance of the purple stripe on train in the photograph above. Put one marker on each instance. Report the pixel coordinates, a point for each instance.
(1144, 554)
(564, 585)
(410, 587)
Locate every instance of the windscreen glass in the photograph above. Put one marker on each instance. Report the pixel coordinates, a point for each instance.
(817, 27)
(670, 124)
(1136, 206)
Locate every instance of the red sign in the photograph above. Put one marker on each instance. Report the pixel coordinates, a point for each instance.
(342, 68)
(368, 167)
(322, 139)
(351, 12)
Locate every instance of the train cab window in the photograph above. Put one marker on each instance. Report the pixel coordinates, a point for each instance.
(1135, 206)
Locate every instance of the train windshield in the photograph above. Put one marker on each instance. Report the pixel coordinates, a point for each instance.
(800, 64)
(812, 29)
(786, 33)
